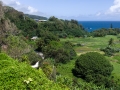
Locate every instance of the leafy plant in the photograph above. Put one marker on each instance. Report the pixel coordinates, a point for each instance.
(21, 76)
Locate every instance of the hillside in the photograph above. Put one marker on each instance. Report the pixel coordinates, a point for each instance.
(6, 27)
(36, 17)
(30, 28)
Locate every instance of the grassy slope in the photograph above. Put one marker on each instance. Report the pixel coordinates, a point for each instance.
(20, 76)
(66, 69)
(116, 70)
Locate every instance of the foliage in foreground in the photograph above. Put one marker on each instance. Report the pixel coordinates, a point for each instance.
(93, 67)
(20, 76)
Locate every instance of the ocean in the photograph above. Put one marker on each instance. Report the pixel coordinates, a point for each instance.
(95, 25)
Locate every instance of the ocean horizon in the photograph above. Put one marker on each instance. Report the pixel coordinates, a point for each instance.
(95, 25)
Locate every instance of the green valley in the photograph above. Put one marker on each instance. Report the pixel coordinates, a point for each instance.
(56, 54)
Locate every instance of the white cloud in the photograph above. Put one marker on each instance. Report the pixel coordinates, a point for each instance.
(98, 14)
(32, 10)
(18, 3)
(21, 7)
(115, 8)
(11, 2)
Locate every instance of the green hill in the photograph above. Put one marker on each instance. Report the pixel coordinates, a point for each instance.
(36, 17)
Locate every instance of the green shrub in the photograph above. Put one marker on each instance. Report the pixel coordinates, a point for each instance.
(20, 76)
(60, 52)
(4, 56)
(109, 51)
(93, 67)
(16, 46)
(33, 57)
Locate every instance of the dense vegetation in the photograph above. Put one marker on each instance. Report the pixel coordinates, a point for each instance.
(110, 50)
(53, 48)
(20, 76)
(63, 28)
(93, 67)
(103, 32)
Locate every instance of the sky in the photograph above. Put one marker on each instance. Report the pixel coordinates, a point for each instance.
(82, 10)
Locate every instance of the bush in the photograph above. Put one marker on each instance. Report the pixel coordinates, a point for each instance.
(16, 47)
(33, 57)
(93, 67)
(109, 51)
(20, 76)
(61, 52)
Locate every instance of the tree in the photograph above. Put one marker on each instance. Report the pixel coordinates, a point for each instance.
(93, 67)
(52, 18)
(111, 26)
(111, 42)
(74, 21)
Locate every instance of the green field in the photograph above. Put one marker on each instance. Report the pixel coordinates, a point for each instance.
(91, 44)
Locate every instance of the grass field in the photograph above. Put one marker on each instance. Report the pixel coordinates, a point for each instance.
(91, 44)
(116, 70)
(66, 69)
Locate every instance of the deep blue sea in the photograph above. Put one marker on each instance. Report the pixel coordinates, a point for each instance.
(95, 25)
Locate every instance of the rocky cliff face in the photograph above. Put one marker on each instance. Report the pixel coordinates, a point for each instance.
(10, 41)
(1, 10)
(1, 21)
(6, 27)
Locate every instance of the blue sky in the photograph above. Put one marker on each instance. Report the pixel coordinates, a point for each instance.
(83, 10)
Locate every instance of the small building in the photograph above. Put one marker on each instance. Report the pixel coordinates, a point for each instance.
(34, 38)
(42, 20)
(38, 20)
